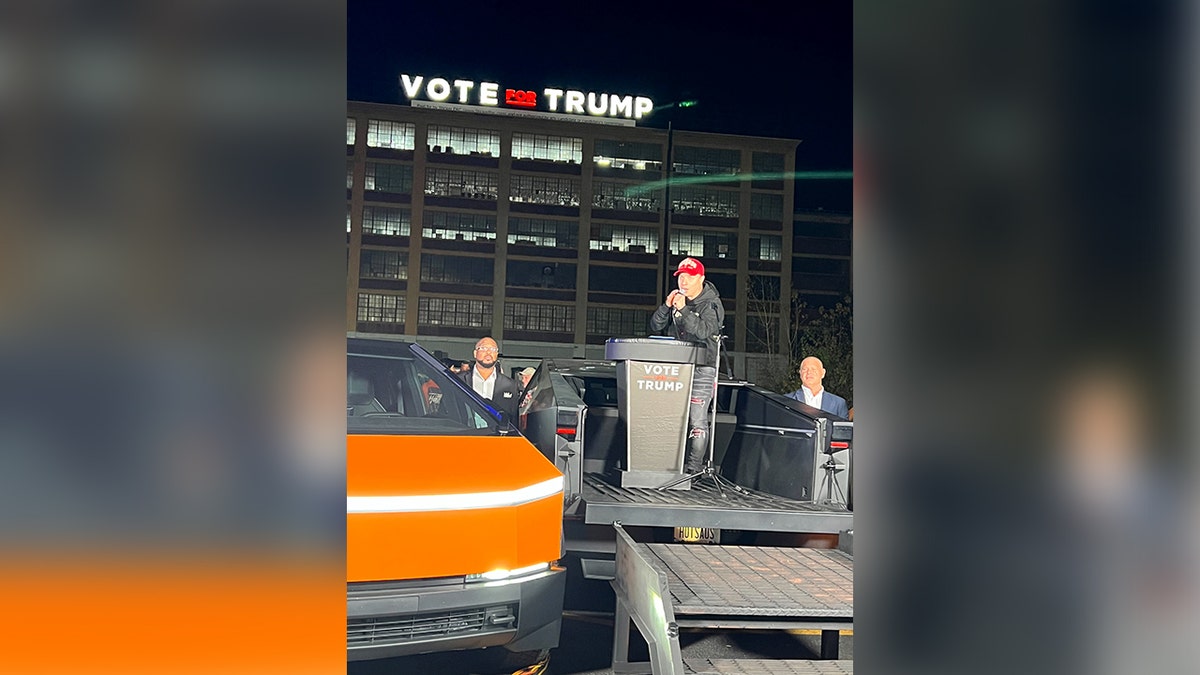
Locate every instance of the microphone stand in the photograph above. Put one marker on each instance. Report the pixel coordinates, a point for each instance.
(709, 471)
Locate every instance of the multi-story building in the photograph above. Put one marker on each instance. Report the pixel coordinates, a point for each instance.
(550, 232)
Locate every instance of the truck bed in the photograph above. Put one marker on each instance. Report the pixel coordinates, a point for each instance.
(706, 505)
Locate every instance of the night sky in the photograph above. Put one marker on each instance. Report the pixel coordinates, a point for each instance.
(784, 73)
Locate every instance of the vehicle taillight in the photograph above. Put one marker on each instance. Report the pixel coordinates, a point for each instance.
(566, 424)
(839, 445)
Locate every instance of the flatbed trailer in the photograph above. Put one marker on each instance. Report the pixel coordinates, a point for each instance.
(664, 587)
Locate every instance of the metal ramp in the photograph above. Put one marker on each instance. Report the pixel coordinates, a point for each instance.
(665, 587)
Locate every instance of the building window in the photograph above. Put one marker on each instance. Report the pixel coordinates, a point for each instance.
(545, 190)
(707, 161)
(543, 232)
(395, 135)
(766, 207)
(704, 244)
(553, 148)
(609, 194)
(375, 264)
(762, 333)
(350, 131)
(347, 219)
(454, 312)
(463, 141)
(627, 238)
(766, 247)
(349, 174)
(539, 317)
(618, 321)
(460, 226)
(705, 201)
(608, 279)
(462, 183)
(386, 220)
(627, 155)
(763, 288)
(456, 269)
(380, 308)
(382, 177)
(767, 164)
(540, 274)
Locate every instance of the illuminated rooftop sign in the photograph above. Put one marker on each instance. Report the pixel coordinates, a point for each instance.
(490, 94)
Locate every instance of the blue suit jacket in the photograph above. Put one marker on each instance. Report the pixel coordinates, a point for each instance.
(830, 402)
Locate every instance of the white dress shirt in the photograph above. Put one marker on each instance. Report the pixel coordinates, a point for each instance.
(483, 387)
(812, 399)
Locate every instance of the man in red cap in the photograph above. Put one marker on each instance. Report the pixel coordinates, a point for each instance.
(694, 312)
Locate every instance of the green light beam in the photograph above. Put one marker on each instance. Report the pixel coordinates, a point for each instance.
(741, 177)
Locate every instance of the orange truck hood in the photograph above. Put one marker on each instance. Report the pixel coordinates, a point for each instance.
(437, 506)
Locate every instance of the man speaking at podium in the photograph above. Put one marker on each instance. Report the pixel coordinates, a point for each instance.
(694, 313)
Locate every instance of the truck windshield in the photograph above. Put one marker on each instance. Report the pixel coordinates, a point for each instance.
(404, 394)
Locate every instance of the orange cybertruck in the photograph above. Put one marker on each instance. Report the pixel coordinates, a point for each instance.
(453, 519)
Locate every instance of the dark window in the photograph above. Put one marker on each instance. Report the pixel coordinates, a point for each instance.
(622, 279)
(456, 269)
(533, 274)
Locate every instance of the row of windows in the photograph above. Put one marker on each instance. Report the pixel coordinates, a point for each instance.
(706, 161)
(375, 264)
(766, 162)
(554, 148)
(465, 313)
(383, 134)
(540, 316)
(766, 207)
(381, 308)
(617, 321)
(627, 155)
(465, 226)
(543, 232)
(545, 190)
(704, 244)
(392, 221)
(626, 238)
(385, 220)
(609, 194)
(449, 269)
(541, 274)
(762, 329)
(462, 141)
(395, 178)
(462, 183)
(705, 201)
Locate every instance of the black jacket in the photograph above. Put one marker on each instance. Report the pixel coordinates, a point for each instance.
(700, 320)
(505, 395)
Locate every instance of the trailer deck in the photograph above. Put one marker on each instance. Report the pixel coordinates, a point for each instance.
(665, 587)
(706, 505)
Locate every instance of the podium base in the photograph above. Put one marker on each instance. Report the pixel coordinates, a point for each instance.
(651, 479)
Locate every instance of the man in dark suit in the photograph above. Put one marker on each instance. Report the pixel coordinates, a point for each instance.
(487, 380)
(812, 371)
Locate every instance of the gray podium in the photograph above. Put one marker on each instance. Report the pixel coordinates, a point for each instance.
(654, 386)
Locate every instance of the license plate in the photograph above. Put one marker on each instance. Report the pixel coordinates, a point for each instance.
(697, 535)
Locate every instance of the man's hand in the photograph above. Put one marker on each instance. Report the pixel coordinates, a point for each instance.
(676, 299)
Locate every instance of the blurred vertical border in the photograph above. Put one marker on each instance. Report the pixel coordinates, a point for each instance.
(172, 331)
(1025, 298)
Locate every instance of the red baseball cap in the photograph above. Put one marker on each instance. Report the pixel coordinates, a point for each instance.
(689, 266)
